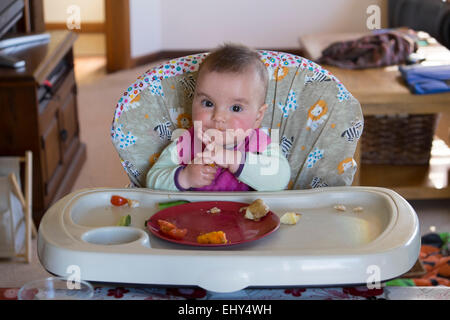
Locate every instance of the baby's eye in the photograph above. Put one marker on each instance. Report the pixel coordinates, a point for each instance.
(236, 108)
(207, 103)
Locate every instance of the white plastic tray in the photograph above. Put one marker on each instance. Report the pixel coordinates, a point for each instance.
(326, 247)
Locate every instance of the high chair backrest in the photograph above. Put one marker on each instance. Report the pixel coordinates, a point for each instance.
(317, 120)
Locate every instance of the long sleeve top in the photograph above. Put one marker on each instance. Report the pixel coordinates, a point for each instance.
(263, 166)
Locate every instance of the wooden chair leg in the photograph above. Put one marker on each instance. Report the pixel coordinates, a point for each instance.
(28, 201)
(19, 195)
(22, 200)
(16, 189)
(33, 230)
(30, 228)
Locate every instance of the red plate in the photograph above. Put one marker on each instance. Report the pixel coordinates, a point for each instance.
(195, 218)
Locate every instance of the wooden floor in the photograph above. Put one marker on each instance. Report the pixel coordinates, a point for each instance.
(90, 58)
(89, 69)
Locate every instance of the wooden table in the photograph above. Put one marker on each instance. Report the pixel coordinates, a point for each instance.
(382, 91)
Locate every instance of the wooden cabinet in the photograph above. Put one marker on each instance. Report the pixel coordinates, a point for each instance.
(39, 113)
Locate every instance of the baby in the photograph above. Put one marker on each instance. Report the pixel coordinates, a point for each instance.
(224, 150)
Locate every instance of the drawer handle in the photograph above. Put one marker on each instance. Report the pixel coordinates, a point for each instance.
(63, 134)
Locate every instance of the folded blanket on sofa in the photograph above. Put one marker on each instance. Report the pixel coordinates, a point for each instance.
(426, 79)
(375, 50)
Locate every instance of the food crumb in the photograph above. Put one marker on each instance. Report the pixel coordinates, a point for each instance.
(133, 203)
(358, 209)
(214, 210)
(340, 207)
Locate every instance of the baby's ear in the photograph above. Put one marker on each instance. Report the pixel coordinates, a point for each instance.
(260, 115)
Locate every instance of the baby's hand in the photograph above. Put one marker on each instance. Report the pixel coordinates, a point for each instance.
(228, 159)
(213, 136)
(196, 176)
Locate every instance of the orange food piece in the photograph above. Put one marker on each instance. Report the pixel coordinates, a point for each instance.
(118, 200)
(171, 230)
(177, 234)
(165, 226)
(215, 237)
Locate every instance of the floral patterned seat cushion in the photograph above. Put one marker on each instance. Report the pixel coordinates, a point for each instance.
(318, 121)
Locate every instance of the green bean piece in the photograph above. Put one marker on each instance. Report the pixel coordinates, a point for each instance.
(164, 205)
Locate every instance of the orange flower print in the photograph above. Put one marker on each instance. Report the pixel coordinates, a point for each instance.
(135, 102)
(280, 72)
(136, 99)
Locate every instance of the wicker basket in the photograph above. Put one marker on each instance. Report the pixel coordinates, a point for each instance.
(398, 139)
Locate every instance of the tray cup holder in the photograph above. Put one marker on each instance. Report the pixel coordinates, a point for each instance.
(113, 235)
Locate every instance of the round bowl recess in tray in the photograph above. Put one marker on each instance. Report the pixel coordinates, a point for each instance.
(197, 218)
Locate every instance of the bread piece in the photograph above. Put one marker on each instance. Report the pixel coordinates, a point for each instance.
(256, 210)
(290, 218)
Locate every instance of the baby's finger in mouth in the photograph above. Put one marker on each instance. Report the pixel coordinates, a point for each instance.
(210, 169)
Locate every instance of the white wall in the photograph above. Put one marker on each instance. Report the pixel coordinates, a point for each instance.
(203, 24)
(145, 27)
(55, 11)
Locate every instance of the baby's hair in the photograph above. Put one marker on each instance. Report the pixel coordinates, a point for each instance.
(237, 59)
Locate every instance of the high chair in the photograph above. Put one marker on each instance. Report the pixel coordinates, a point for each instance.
(319, 121)
(16, 223)
(319, 124)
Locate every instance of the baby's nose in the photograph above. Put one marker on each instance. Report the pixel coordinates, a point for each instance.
(219, 115)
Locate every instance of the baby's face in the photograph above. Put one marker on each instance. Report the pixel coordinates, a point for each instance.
(227, 102)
